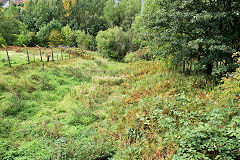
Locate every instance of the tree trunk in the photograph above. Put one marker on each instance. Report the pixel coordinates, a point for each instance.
(48, 57)
(183, 66)
(190, 69)
(209, 68)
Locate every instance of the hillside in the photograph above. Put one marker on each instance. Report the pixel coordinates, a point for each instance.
(119, 80)
(101, 109)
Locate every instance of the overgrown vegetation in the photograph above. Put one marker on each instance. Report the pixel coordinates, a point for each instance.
(176, 96)
(46, 114)
(93, 109)
(196, 36)
(202, 31)
(113, 43)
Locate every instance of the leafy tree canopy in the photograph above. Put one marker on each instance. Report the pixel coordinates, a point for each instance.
(44, 32)
(202, 30)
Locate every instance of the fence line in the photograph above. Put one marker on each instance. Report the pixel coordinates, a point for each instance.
(72, 52)
(40, 52)
(9, 61)
(27, 53)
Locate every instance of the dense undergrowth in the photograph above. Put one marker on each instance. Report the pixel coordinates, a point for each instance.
(99, 109)
(51, 113)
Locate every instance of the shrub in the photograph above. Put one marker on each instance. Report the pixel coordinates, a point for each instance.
(113, 43)
(80, 38)
(55, 38)
(90, 42)
(28, 39)
(84, 40)
(212, 140)
(143, 53)
(68, 36)
(44, 32)
(227, 94)
(130, 57)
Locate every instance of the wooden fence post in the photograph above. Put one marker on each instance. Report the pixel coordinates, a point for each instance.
(40, 52)
(33, 57)
(75, 49)
(9, 61)
(69, 50)
(27, 53)
(57, 55)
(52, 52)
(65, 53)
(61, 54)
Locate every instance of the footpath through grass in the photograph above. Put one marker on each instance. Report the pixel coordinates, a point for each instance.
(99, 109)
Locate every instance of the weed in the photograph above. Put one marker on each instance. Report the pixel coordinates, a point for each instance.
(99, 109)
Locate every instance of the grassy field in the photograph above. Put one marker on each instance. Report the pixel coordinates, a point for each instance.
(43, 112)
(18, 55)
(99, 109)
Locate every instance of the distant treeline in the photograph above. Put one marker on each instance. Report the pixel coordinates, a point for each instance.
(192, 35)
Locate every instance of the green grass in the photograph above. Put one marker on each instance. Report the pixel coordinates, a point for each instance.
(18, 58)
(100, 109)
(40, 107)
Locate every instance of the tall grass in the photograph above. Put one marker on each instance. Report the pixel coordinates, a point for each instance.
(99, 109)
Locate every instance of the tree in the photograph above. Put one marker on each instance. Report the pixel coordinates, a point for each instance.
(83, 40)
(27, 38)
(88, 16)
(42, 13)
(27, 17)
(9, 27)
(68, 4)
(113, 43)
(121, 14)
(202, 30)
(68, 36)
(12, 10)
(58, 11)
(55, 38)
(37, 13)
(44, 32)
